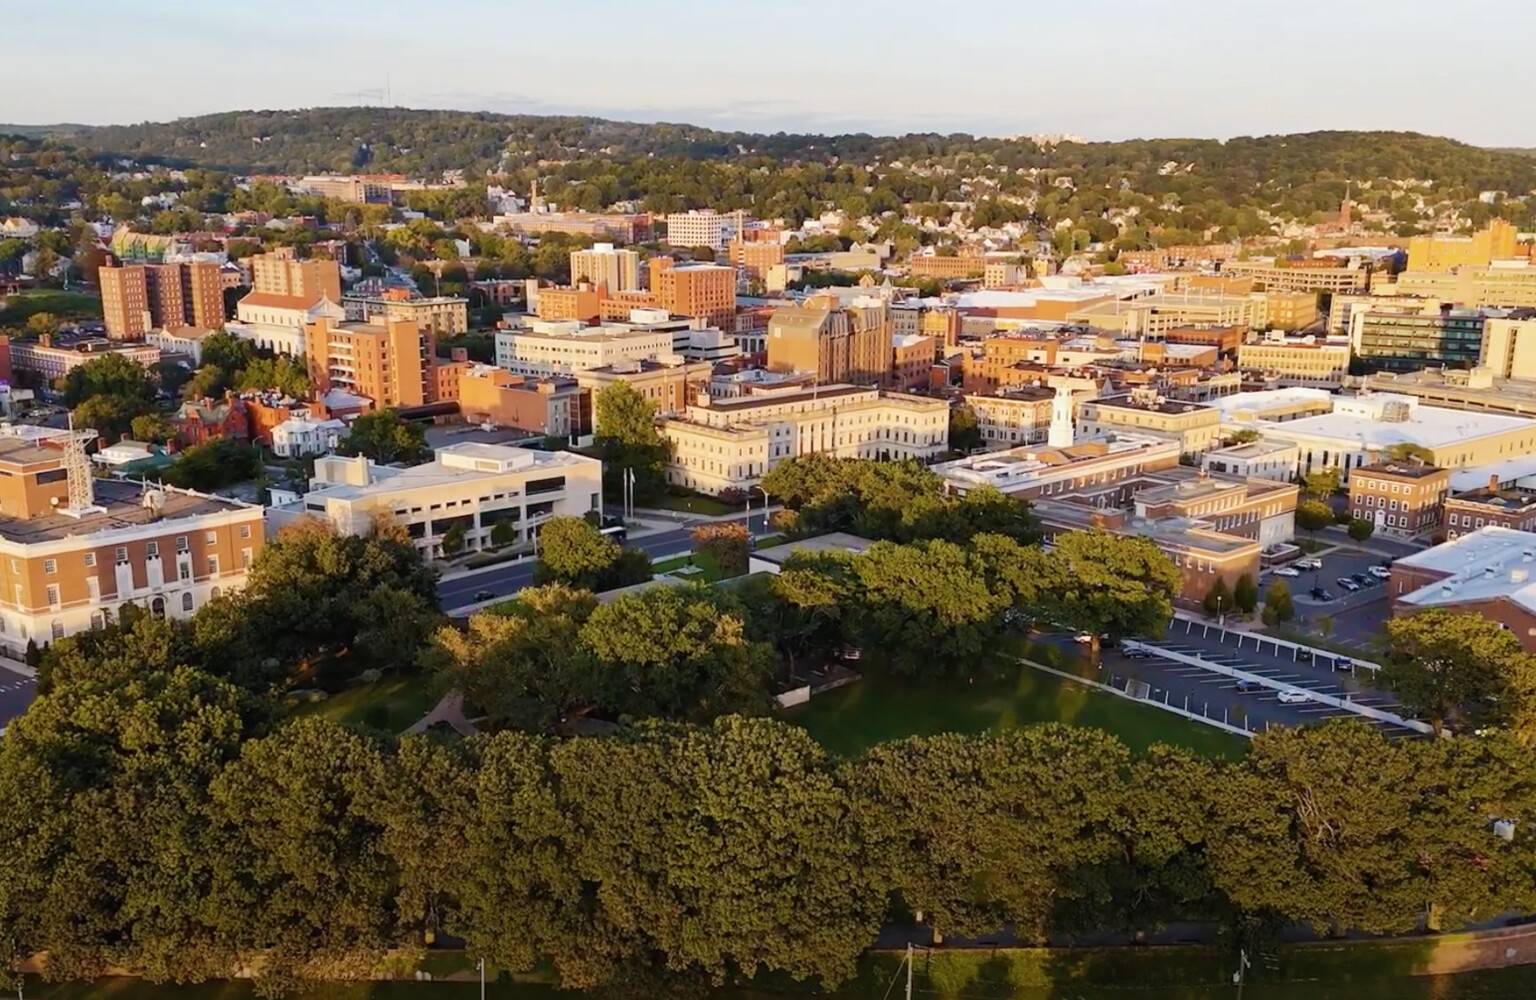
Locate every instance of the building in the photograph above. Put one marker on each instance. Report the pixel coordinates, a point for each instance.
(1155, 315)
(1363, 430)
(1276, 277)
(472, 487)
(552, 406)
(1417, 336)
(1504, 284)
(569, 347)
(753, 259)
(1289, 310)
(198, 421)
(74, 550)
(1226, 339)
(954, 268)
(391, 364)
(186, 340)
(448, 373)
(1020, 415)
(911, 362)
(137, 298)
(616, 227)
(703, 228)
(305, 435)
(360, 189)
(1486, 572)
(1255, 460)
(700, 291)
(1459, 389)
(670, 384)
(1509, 345)
(1507, 507)
(603, 265)
(1033, 472)
(280, 272)
(1300, 360)
(277, 322)
(923, 319)
(1401, 499)
(1441, 252)
(1196, 426)
(720, 444)
(838, 345)
(51, 363)
(581, 304)
(444, 315)
(999, 274)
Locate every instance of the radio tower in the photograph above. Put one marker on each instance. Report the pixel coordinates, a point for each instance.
(77, 469)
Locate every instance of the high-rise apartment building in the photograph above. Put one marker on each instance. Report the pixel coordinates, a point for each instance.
(281, 273)
(838, 345)
(700, 291)
(617, 270)
(137, 298)
(391, 364)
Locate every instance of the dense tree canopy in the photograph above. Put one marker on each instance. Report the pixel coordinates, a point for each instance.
(385, 438)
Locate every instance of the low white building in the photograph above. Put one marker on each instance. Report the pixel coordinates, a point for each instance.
(186, 340)
(303, 436)
(471, 486)
(123, 452)
(277, 322)
(1258, 459)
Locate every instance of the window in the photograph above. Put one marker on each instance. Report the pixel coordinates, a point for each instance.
(181, 543)
(152, 550)
(245, 558)
(184, 570)
(90, 559)
(186, 601)
(245, 531)
(56, 629)
(50, 566)
(121, 554)
(213, 565)
(53, 595)
(98, 620)
(211, 538)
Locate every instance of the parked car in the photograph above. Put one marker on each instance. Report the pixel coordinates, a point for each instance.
(1319, 594)
(1343, 664)
(1136, 652)
(483, 595)
(1293, 697)
(1347, 584)
(1287, 571)
(1303, 654)
(1313, 563)
(1380, 572)
(1247, 685)
(1364, 579)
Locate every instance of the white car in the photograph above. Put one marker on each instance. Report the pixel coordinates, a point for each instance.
(1287, 571)
(1308, 564)
(1293, 697)
(1380, 572)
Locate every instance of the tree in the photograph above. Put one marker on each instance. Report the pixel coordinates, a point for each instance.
(214, 465)
(1313, 516)
(42, 324)
(1111, 585)
(151, 427)
(1322, 483)
(964, 429)
(207, 382)
(385, 438)
(1361, 529)
(575, 553)
(453, 538)
(276, 375)
(109, 375)
(1448, 665)
(1409, 452)
(1218, 600)
(1244, 436)
(1278, 607)
(1245, 594)
(727, 546)
(503, 533)
(110, 416)
(628, 442)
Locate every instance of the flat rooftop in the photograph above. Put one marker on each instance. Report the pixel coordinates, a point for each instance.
(1402, 470)
(1254, 449)
(1256, 404)
(835, 542)
(1511, 470)
(1488, 564)
(1169, 406)
(124, 508)
(1426, 426)
(1505, 500)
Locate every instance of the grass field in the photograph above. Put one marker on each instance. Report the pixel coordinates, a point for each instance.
(694, 503)
(65, 305)
(876, 710)
(392, 704)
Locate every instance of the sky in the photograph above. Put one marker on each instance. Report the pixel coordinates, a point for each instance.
(1104, 69)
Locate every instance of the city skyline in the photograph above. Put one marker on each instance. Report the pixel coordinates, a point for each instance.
(1108, 70)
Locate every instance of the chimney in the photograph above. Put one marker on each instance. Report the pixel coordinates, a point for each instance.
(1493, 482)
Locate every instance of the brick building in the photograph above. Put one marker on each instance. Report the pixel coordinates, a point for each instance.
(137, 298)
(1402, 499)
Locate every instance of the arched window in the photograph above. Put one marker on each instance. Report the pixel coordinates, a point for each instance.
(214, 592)
(186, 601)
(157, 607)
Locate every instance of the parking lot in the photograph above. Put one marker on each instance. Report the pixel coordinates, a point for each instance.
(16, 694)
(1356, 619)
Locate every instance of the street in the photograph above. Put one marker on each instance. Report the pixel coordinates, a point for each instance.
(16, 693)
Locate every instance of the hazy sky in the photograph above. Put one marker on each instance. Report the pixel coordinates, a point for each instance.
(1103, 68)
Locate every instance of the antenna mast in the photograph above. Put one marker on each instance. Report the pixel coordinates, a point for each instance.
(77, 470)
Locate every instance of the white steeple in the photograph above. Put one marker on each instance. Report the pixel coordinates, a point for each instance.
(1062, 434)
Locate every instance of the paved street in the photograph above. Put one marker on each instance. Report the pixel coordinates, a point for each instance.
(16, 693)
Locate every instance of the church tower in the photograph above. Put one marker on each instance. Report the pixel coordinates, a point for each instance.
(1062, 434)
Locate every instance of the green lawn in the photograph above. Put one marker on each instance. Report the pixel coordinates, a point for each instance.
(694, 503)
(391, 704)
(876, 710)
(65, 305)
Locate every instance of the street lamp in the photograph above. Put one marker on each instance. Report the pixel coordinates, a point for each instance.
(1221, 619)
(749, 507)
(480, 964)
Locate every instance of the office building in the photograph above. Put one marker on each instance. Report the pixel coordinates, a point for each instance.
(53, 363)
(670, 384)
(1508, 349)
(280, 272)
(704, 228)
(920, 319)
(277, 322)
(1440, 252)
(1301, 360)
(699, 291)
(391, 364)
(474, 487)
(1014, 416)
(613, 269)
(1505, 506)
(1459, 389)
(619, 228)
(957, 268)
(444, 315)
(1195, 426)
(74, 550)
(911, 363)
(1417, 336)
(1276, 277)
(1501, 285)
(565, 348)
(719, 444)
(1487, 572)
(554, 406)
(1402, 499)
(753, 259)
(1255, 460)
(137, 298)
(838, 344)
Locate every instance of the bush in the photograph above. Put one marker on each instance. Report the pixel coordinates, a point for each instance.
(1361, 529)
(1218, 600)
(1278, 607)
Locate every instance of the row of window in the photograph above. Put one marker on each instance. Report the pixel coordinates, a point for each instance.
(151, 551)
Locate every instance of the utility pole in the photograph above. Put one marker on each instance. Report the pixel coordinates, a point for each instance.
(481, 965)
(909, 970)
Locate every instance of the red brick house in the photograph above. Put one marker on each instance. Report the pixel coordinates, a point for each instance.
(201, 420)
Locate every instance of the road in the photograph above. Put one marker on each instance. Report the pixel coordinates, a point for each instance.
(507, 579)
(16, 693)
